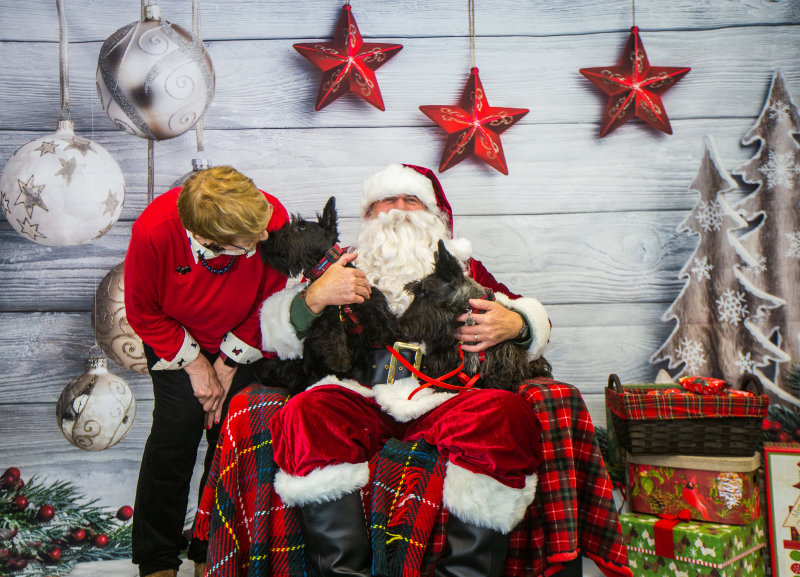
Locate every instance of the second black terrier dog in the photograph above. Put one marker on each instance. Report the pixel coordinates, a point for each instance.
(439, 298)
(339, 340)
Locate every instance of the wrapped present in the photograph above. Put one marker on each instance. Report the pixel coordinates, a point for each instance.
(715, 489)
(673, 546)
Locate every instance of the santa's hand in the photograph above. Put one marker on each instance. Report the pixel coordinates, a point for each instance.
(339, 285)
(493, 324)
(206, 386)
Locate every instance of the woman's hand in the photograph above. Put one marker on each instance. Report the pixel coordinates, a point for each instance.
(225, 376)
(493, 324)
(206, 386)
(339, 285)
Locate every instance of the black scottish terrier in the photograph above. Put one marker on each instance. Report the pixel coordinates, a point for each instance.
(339, 340)
(438, 299)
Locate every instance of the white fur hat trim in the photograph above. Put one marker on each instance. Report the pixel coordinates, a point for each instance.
(398, 179)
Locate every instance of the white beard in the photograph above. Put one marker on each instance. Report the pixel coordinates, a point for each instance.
(397, 247)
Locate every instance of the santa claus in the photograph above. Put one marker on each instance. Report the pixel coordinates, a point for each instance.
(324, 437)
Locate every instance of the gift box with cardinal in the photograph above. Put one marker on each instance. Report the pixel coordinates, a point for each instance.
(713, 489)
(669, 546)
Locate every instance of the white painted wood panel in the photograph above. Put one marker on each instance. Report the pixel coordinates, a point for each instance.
(539, 73)
(35, 20)
(553, 168)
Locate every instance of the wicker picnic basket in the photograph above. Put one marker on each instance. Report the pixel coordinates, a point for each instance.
(690, 424)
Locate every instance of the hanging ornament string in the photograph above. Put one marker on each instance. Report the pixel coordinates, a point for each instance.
(472, 30)
(63, 60)
(151, 164)
(198, 127)
(633, 12)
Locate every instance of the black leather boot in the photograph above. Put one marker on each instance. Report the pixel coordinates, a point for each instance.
(336, 538)
(472, 551)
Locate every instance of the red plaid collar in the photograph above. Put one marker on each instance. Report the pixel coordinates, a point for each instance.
(325, 262)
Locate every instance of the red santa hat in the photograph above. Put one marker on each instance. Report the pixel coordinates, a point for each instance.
(407, 179)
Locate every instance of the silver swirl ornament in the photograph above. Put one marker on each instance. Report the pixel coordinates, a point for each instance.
(96, 410)
(113, 333)
(154, 79)
(62, 189)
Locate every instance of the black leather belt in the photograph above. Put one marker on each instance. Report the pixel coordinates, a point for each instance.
(382, 367)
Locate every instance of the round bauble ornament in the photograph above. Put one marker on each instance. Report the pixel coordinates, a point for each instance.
(61, 189)
(198, 164)
(96, 410)
(154, 79)
(112, 331)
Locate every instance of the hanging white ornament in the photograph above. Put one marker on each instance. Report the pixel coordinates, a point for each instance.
(155, 80)
(62, 189)
(96, 410)
(113, 333)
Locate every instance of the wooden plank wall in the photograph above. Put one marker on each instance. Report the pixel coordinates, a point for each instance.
(585, 224)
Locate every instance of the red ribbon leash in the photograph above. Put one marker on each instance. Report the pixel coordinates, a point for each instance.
(428, 381)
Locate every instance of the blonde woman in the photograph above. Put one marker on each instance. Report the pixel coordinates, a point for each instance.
(194, 282)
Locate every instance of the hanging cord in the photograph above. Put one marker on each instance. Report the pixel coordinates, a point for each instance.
(633, 12)
(63, 60)
(198, 127)
(472, 30)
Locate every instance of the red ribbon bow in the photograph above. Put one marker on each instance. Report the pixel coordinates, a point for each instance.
(665, 545)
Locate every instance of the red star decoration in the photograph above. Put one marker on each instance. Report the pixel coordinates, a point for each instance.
(634, 81)
(348, 64)
(473, 126)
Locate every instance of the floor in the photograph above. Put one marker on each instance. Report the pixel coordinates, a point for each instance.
(124, 568)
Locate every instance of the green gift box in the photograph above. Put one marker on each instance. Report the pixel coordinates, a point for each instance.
(695, 550)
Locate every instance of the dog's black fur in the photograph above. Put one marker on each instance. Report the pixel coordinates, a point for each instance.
(332, 344)
(438, 299)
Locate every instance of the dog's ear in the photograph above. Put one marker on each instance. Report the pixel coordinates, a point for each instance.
(328, 220)
(411, 287)
(447, 266)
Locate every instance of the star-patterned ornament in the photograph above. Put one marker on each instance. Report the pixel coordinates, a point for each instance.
(473, 126)
(348, 63)
(47, 147)
(634, 87)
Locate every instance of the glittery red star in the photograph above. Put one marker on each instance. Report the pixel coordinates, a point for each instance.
(633, 86)
(348, 64)
(473, 126)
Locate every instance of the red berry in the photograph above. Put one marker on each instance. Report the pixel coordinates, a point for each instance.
(77, 535)
(54, 554)
(125, 512)
(12, 472)
(766, 425)
(101, 540)
(17, 563)
(21, 502)
(20, 483)
(46, 513)
(776, 426)
(784, 437)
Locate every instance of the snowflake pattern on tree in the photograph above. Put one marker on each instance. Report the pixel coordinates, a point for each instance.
(709, 215)
(780, 169)
(731, 307)
(721, 319)
(691, 353)
(702, 269)
(773, 207)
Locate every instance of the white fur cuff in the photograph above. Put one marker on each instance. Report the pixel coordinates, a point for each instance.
(482, 501)
(536, 314)
(277, 332)
(321, 485)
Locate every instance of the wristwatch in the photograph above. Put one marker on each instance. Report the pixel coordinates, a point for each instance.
(229, 362)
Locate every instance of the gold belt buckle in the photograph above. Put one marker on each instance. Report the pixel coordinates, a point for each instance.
(398, 346)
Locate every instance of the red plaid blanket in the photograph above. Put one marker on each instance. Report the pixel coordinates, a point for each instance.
(251, 532)
(637, 404)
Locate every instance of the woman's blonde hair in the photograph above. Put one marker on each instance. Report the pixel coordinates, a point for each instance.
(224, 206)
